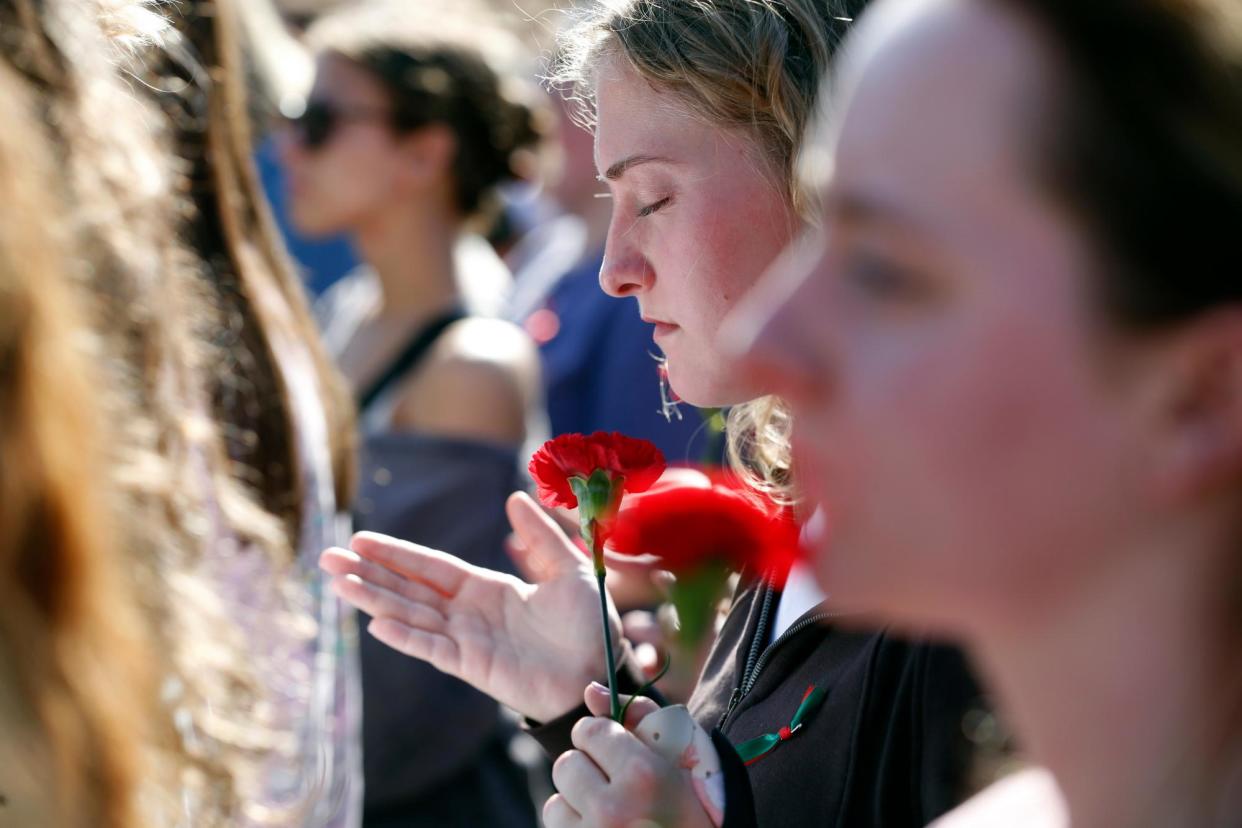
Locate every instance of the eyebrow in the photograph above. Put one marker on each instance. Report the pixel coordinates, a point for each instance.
(621, 167)
(862, 209)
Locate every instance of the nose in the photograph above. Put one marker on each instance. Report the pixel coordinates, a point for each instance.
(777, 332)
(626, 270)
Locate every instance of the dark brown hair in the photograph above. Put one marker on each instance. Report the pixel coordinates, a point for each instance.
(447, 74)
(1145, 146)
(252, 279)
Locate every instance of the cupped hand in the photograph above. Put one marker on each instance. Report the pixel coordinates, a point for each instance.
(531, 646)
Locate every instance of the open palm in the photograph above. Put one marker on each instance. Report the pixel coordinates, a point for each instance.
(531, 646)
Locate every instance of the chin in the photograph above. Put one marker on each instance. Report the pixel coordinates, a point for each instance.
(311, 223)
(706, 388)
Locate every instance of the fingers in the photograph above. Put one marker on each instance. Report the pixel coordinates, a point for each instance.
(557, 813)
(530, 566)
(540, 535)
(612, 748)
(438, 650)
(379, 602)
(649, 637)
(598, 702)
(438, 570)
(342, 563)
(578, 779)
(641, 627)
(663, 581)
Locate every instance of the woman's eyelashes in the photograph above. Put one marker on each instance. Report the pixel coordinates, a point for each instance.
(654, 207)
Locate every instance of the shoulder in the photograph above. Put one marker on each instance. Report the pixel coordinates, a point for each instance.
(477, 340)
(479, 381)
(1026, 799)
(493, 353)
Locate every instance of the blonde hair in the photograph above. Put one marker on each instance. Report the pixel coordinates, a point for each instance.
(753, 65)
(74, 682)
(744, 64)
(172, 248)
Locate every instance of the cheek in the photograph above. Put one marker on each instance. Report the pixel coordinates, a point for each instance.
(967, 463)
(347, 179)
(721, 249)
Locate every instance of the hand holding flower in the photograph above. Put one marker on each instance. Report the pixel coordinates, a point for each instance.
(593, 474)
(612, 780)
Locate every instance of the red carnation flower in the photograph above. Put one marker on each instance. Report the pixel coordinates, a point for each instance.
(702, 529)
(593, 474)
(689, 526)
(636, 464)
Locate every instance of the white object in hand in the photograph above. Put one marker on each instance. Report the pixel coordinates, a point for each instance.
(675, 735)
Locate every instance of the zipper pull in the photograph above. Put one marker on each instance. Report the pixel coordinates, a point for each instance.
(733, 700)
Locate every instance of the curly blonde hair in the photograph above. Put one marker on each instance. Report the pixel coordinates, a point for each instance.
(182, 281)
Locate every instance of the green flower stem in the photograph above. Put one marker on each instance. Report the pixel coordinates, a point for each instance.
(600, 574)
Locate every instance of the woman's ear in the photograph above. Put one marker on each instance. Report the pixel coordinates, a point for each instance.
(428, 154)
(1199, 439)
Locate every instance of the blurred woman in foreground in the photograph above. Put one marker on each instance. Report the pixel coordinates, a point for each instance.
(1014, 352)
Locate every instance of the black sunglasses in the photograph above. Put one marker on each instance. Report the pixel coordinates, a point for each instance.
(320, 119)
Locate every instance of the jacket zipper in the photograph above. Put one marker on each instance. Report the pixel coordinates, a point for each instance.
(756, 661)
(756, 642)
(785, 636)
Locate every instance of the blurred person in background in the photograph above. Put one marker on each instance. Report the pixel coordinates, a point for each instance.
(227, 443)
(407, 133)
(281, 70)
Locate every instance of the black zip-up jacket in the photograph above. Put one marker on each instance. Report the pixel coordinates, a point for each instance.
(887, 747)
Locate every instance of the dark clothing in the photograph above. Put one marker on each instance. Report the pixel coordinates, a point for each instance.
(435, 750)
(885, 749)
(469, 798)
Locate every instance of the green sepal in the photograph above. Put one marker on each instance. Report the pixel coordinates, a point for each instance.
(697, 595)
(599, 497)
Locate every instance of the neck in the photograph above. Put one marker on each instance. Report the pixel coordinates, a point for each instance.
(411, 251)
(1116, 689)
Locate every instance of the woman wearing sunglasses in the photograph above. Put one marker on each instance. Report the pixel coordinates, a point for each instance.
(406, 136)
(1013, 347)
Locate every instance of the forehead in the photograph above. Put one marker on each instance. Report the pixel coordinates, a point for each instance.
(940, 97)
(635, 118)
(343, 80)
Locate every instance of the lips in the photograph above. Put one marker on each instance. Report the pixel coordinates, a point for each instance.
(662, 328)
